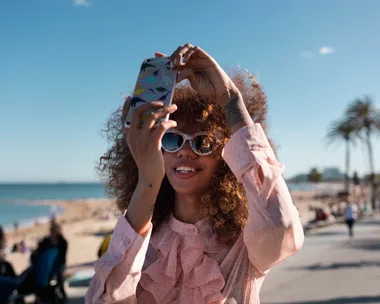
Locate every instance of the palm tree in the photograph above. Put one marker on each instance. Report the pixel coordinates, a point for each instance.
(342, 130)
(362, 114)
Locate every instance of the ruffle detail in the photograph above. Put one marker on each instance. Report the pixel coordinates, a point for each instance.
(183, 259)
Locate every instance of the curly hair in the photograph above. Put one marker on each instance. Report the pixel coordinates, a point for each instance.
(225, 200)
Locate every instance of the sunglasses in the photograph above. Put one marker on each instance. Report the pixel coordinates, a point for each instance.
(200, 143)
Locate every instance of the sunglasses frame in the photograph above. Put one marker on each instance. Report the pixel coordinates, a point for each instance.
(186, 138)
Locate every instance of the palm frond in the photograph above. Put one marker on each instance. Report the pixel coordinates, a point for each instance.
(340, 130)
(363, 114)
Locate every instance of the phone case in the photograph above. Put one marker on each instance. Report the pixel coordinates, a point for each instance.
(156, 82)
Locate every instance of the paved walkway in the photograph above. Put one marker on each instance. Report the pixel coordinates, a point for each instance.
(329, 269)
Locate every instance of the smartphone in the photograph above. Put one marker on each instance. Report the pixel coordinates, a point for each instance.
(155, 82)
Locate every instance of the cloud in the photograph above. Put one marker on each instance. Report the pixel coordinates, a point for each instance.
(85, 3)
(306, 54)
(325, 50)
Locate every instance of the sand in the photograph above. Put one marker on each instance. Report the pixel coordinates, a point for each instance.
(84, 224)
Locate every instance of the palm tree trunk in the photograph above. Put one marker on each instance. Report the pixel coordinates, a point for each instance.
(372, 168)
(347, 177)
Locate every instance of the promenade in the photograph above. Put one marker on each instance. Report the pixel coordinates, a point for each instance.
(330, 269)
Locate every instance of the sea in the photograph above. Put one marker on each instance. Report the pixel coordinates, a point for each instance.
(19, 203)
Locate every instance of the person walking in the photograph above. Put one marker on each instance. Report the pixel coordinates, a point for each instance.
(350, 216)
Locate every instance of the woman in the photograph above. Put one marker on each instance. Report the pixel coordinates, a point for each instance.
(208, 213)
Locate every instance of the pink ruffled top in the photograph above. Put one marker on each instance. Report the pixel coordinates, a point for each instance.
(184, 267)
(185, 263)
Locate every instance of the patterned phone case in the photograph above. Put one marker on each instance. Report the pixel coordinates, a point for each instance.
(156, 82)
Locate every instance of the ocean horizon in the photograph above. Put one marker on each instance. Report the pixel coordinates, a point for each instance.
(19, 201)
(51, 191)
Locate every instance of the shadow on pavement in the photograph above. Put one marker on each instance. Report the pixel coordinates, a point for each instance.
(326, 233)
(90, 264)
(369, 223)
(366, 244)
(102, 234)
(358, 264)
(75, 300)
(354, 300)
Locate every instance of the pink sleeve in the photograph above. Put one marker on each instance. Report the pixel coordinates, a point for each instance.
(273, 231)
(118, 271)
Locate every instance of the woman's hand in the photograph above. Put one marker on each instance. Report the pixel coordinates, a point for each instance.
(204, 73)
(144, 139)
(209, 79)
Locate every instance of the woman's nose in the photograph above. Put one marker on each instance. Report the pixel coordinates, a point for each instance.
(186, 151)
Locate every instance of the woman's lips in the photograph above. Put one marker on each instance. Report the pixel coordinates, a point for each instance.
(185, 175)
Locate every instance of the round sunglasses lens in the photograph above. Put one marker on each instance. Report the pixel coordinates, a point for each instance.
(202, 144)
(171, 141)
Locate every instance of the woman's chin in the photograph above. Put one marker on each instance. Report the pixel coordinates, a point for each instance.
(188, 188)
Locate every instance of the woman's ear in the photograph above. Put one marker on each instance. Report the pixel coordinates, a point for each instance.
(218, 152)
(219, 157)
(223, 163)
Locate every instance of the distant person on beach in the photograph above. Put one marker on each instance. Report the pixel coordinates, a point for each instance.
(356, 179)
(6, 268)
(4, 249)
(8, 280)
(205, 210)
(2, 238)
(15, 226)
(7, 273)
(23, 247)
(54, 239)
(26, 282)
(350, 216)
(357, 185)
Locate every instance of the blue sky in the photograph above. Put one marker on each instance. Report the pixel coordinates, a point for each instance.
(64, 63)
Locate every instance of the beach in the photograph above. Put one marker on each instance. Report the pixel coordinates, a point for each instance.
(84, 224)
(86, 221)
